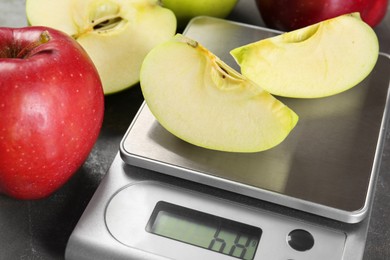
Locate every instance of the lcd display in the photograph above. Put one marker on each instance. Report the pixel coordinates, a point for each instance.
(204, 230)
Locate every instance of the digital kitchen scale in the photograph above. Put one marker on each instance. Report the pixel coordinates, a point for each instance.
(308, 198)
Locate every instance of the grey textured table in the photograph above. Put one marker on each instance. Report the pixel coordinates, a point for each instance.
(40, 229)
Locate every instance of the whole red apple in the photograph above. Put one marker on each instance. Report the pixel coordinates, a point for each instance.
(51, 110)
(287, 15)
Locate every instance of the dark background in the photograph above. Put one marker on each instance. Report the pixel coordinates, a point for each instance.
(40, 229)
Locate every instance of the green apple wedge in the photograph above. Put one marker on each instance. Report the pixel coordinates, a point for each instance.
(117, 34)
(316, 61)
(200, 99)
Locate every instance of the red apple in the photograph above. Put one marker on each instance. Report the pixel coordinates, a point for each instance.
(287, 15)
(51, 110)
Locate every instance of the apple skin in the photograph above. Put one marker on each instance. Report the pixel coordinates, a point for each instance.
(288, 15)
(51, 110)
(185, 10)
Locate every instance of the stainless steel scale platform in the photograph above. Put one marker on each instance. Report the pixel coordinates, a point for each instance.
(308, 198)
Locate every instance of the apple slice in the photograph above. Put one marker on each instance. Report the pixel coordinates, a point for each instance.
(200, 99)
(116, 34)
(316, 61)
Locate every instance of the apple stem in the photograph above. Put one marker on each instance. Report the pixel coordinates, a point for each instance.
(44, 37)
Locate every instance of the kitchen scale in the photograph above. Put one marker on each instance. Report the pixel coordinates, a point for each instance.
(308, 198)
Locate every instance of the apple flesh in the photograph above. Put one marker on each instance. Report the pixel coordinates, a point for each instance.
(185, 10)
(200, 99)
(288, 15)
(116, 34)
(315, 61)
(51, 110)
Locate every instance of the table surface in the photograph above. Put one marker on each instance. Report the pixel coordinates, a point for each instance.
(40, 229)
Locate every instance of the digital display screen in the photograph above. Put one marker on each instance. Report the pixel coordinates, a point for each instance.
(204, 230)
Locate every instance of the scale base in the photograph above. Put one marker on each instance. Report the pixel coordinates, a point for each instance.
(105, 233)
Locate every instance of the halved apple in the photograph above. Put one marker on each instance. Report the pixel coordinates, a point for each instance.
(316, 61)
(116, 34)
(200, 99)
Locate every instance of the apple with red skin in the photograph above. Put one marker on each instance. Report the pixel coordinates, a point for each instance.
(288, 15)
(51, 110)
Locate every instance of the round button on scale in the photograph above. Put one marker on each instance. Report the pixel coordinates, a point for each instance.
(300, 240)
